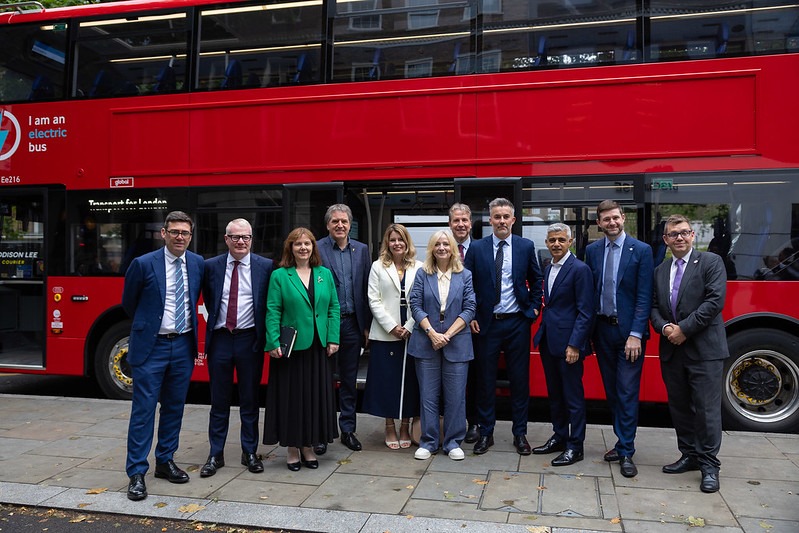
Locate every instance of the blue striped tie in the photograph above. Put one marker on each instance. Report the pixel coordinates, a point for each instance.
(180, 306)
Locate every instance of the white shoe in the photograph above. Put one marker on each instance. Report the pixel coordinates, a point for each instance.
(422, 454)
(456, 454)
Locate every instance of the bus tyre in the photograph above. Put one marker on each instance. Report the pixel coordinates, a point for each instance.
(761, 382)
(111, 367)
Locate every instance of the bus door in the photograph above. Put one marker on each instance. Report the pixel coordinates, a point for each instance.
(22, 255)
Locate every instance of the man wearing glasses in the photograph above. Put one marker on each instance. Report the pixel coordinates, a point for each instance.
(234, 292)
(160, 294)
(688, 299)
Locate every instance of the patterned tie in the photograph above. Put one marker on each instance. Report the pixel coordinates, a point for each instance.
(460, 250)
(498, 260)
(233, 298)
(676, 287)
(608, 288)
(180, 290)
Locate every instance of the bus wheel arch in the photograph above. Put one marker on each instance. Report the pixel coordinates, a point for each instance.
(761, 381)
(111, 368)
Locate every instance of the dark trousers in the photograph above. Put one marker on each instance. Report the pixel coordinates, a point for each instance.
(472, 386)
(622, 381)
(347, 357)
(164, 376)
(694, 391)
(511, 335)
(566, 398)
(227, 353)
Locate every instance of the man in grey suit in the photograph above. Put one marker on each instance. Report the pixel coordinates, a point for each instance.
(689, 296)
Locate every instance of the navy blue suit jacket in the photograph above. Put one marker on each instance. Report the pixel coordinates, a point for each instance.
(568, 314)
(633, 283)
(361, 265)
(526, 278)
(425, 301)
(214, 284)
(144, 298)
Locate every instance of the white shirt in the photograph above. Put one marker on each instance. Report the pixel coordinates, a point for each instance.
(245, 308)
(555, 270)
(507, 298)
(444, 279)
(168, 320)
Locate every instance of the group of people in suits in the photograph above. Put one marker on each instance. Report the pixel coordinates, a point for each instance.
(436, 329)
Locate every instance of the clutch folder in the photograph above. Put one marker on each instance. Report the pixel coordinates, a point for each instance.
(287, 337)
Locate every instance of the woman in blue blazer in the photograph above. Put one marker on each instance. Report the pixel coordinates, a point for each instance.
(442, 304)
(300, 407)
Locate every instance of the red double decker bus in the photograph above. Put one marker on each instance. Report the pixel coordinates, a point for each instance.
(114, 114)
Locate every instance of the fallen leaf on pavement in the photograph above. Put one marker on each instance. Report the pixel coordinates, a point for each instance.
(191, 508)
(615, 520)
(97, 491)
(696, 521)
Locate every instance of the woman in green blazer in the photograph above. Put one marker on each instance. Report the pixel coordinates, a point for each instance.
(300, 406)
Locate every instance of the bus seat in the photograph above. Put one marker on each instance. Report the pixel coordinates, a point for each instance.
(41, 89)
(302, 69)
(102, 85)
(233, 75)
(541, 58)
(629, 46)
(374, 71)
(722, 37)
(453, 67)
(166, 82)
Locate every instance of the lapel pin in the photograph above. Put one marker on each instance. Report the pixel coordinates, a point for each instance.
(319, 279)
(696, 261)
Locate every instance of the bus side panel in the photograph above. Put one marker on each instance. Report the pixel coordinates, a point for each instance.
(153, 142)
(620, 118)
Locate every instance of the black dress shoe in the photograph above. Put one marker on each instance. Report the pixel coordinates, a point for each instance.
(349, 440)
(253, 462)
(627, 466)
(171, 472)
(521, 444)
(550, 446)
(611, 456)
(294, 466)
(320, 449)
(483, 444)
(212, 465)
(710, 482)
(686, 463)
(312, 464)
(472, 434)
(569, 457)
(137, 490)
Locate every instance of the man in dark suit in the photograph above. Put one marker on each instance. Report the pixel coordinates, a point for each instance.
(563, 337)
(350, 262)
(234, 341)
(507, 287)
(161, 293)
(460, 222)
(623, 269)
(689, 296)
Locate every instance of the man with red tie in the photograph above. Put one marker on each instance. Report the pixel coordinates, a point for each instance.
(235, 297)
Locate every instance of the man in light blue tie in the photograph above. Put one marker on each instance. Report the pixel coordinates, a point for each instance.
(622, 268)
(689, 296)
(160, 294)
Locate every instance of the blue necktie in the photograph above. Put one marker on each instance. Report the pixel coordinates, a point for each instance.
(498, 260)
(180, 290)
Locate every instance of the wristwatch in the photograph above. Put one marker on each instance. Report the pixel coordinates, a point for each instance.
(426, 331)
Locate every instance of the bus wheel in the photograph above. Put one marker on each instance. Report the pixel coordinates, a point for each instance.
(111, 366)
(761, 382)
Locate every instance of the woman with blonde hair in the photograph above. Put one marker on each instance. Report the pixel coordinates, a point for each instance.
(442, 304)
(392, 390)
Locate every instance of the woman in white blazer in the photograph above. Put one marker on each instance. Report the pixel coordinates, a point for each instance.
(392, 390)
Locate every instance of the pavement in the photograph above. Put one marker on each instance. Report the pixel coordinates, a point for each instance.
(69, 453)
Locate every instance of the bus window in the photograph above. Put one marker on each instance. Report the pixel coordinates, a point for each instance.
(263, 45)
(262, 208)
(125, 57)
(108, 229)
(754, 229)
(719, 28)
(544, 33)
(32, 62)
(374, 40)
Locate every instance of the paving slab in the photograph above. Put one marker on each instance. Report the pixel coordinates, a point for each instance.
(768, 525)
(453, 510)
(778, 500)
(570, 495)
(450, 487)
(79, 446)
(355, 492)
(263, 492)
(656, 506)
(563, 523)
(514, 492)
